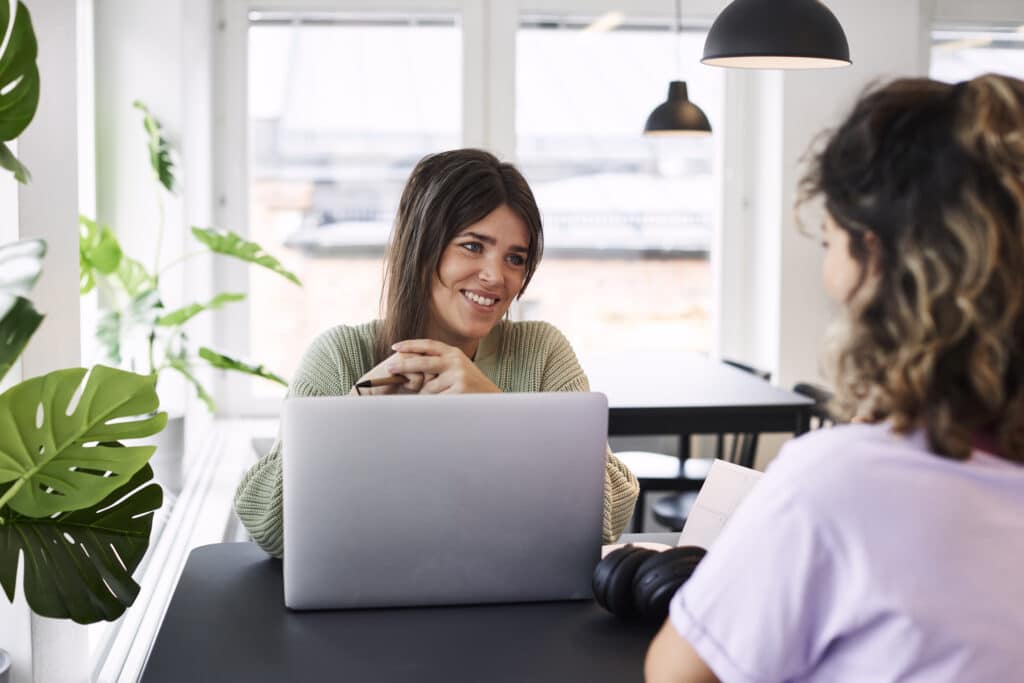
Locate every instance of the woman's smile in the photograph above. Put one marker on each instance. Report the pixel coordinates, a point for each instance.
(479, 300)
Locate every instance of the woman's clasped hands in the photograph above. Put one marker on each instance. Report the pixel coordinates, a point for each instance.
(430, 367)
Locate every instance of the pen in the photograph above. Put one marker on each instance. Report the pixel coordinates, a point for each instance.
(381, 381)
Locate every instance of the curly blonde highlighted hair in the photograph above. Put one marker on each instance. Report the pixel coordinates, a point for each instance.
(935, 338)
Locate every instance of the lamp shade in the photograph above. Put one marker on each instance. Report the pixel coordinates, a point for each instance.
(677, 115)
(776, 34)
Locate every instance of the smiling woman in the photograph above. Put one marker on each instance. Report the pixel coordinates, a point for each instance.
(481, 271)
(465, 223)
(466, 242)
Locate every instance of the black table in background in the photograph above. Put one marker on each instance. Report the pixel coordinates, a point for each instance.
(686, 393)
(227, 622)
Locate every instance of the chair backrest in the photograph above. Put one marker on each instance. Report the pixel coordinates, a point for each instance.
(743, 449)
(821, 416)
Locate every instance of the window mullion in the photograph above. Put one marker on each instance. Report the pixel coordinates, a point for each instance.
(500, 94)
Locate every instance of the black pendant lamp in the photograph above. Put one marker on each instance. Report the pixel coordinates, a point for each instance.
(677, 115)
(776, 34)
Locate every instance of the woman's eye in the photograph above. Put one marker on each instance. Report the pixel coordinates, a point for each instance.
(516, 260)
(474, 247)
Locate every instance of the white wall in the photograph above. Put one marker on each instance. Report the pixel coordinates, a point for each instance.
(89, 310)
(140, 55)
(197, 168)
(160, 53)
(782, 312)
(46, 650)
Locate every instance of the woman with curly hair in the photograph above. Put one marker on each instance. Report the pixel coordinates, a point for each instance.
(891, 549)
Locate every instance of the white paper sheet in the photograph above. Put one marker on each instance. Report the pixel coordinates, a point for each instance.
(724, 489)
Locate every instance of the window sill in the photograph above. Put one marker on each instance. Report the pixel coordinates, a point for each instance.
(201, 515)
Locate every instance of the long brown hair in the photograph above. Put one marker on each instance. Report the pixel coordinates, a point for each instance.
(936, 173)
(446, 193)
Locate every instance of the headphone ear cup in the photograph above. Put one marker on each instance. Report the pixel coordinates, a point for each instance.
(659, 577)
(604, 570)
(613, 579)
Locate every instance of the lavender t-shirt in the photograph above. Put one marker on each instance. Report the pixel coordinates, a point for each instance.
(859, 556)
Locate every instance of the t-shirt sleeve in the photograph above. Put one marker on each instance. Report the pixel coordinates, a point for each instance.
(758, 607)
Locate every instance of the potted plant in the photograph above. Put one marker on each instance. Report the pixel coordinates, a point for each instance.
(75, 502)
(133, 305)
(135, 328)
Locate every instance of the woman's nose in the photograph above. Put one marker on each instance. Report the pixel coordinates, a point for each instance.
(489, 271)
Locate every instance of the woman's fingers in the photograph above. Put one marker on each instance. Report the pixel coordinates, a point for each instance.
(430, 347)
(405, 364)
(436, 385)
(414, 382)
(446, 368)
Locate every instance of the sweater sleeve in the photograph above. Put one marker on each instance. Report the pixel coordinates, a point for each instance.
(326, 370)
(562, 372)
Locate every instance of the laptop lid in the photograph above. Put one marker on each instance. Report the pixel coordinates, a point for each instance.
(430, 500)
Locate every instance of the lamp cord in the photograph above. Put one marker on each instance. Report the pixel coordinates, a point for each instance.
(679, 31)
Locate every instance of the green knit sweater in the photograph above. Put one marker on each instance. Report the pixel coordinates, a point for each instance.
(516, 356)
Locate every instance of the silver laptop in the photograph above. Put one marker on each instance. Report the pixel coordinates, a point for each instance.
(436, 500)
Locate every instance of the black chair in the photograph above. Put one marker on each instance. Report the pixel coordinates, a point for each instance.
(672, 511)
(822, 397)
(661, 472)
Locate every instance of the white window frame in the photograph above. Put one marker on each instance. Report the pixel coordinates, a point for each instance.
(488, 120)
(975, 13)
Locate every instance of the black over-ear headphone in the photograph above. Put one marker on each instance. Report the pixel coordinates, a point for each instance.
(638, 583)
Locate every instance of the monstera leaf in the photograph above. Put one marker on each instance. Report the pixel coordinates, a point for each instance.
(19, 82)
(181, 365)
(21, 263)
(134, 277)
(98, 253)
(55, 452)
(114, 328)
(222, 362)
(20, 266)
(230, 244)
(186, 313)
(79, 564)
(16, 328)
(159, 148)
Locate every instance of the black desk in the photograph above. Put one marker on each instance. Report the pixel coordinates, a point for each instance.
(227, 622)
(685, 393)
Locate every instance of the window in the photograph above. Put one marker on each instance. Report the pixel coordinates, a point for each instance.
(628, 219)
(340, 104)
(340, 108)
(962, 54)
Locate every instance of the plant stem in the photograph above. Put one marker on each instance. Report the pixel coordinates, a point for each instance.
(182, 258)
(159, 231)
(152, 336)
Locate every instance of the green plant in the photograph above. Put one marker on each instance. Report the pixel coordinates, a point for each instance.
(74, 500)
(19, 82)
(134, 315)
